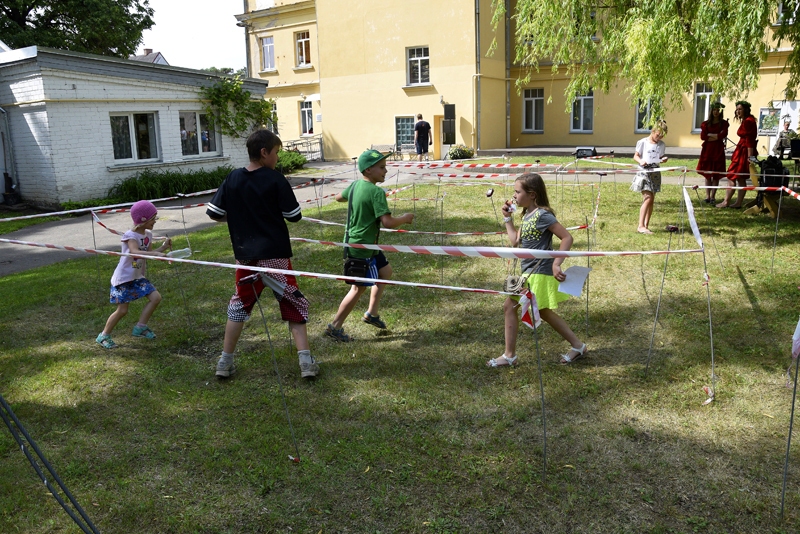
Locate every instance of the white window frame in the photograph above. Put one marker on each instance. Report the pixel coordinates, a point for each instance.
(781, 16)
(702, 99)
(306, 117)
(154, 144)
(530, 98)
(268, 54)
(198, 136)
(579, 104)
(273, 127)
(408, 120)
(302, 41)
(422, 59)
(639, 119)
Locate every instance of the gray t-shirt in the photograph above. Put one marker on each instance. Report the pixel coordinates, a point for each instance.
(534, 234)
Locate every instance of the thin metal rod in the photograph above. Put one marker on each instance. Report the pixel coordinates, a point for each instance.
(775, 240)
(789, 438)
(705, 218)
(658, 304)
(277, 371)
(589, 266)
(710, 327)
(544, 415)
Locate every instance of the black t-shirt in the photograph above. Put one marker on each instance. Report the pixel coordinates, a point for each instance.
(256, 204)
(423, 127)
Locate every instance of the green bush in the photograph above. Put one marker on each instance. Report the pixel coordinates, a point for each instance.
(160, 184)
(289, 160)
(460, 152)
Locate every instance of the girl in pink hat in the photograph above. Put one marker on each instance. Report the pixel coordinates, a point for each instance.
(129, 282)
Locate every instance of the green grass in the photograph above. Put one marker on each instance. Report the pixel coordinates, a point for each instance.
(409, 431)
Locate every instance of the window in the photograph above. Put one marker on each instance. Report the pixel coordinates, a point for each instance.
(268, 52)
(303, 49)
(702, 100)
(306, 117)
(786, 13)
(533, 110)
(642, 117)
(196, 134)
(273, 125)
(404, 130)
(418, 66)
(133, 136)
(583, 113)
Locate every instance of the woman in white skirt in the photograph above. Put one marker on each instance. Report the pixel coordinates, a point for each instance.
(649, 154)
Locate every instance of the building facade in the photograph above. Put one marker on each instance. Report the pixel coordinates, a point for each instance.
(79, 123)
(372, 66)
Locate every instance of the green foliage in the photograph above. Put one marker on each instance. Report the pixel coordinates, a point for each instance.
(289, 161)
(233, 110)
(460, 152)
(660, 48)
(227, 71)
(159, 184)
(106, 27)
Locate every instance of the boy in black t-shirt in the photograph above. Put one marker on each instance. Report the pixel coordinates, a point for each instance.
(254, 201)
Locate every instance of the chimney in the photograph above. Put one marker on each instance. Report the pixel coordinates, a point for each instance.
(148, 51)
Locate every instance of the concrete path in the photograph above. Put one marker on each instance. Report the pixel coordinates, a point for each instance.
(81, 232)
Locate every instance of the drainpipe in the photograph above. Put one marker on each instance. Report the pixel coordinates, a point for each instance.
(246, 44)
(9, 150)
(477, 76)
(508, 75)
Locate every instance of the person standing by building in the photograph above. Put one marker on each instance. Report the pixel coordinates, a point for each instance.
(743, 156)
(422, 137)
(711, 165)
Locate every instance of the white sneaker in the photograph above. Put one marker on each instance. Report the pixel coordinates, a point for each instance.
(307, 370)
(225, 367)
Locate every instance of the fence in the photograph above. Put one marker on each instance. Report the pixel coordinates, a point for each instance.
(310, 147)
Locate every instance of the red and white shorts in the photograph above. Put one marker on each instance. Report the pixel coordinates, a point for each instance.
(292, 303)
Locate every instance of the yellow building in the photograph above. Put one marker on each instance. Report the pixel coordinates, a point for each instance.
(368, 67)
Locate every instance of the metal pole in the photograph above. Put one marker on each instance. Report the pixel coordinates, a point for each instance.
(658, 304)
(775, 240)
(789, 438)
(588, 265)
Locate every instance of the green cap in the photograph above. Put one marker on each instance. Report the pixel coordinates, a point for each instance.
(368, 158)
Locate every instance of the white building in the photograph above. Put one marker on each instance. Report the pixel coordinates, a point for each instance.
(75, 124)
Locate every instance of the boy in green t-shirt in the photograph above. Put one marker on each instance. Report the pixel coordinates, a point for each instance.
(368, 211)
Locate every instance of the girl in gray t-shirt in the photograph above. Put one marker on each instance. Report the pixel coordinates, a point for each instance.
(536, 232)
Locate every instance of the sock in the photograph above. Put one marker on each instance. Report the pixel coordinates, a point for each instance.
(227, 356)
(305, 356)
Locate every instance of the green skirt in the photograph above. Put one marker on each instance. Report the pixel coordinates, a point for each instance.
(545, 287)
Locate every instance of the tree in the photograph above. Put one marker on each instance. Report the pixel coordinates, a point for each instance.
(660, 47)
(227, 71)
(234, 110)
(106, 27)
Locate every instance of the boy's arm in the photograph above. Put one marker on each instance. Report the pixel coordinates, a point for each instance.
(393, 222)
(340, 198)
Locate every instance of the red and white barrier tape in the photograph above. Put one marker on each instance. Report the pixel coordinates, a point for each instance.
(492, 252)
(258, 269)
(470, 165)
(402, 231)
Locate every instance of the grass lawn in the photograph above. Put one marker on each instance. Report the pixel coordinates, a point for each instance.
(407, 430)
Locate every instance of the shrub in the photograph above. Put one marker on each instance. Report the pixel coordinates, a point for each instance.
(165, 183)
(460, 152)
(289, 160)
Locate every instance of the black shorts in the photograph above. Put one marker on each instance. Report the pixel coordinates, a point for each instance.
(422, 148)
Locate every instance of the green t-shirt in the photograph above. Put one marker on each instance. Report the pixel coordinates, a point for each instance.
(369, 205)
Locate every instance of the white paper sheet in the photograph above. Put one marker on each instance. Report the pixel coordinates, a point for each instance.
(576, 277)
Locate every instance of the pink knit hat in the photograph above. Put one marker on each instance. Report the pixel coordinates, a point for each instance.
(143, 211)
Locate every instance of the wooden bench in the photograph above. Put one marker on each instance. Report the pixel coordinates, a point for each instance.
(411, 150)
(390, 151)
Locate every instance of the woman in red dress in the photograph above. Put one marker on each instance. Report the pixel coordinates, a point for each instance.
(712, 156)
(739, 169)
